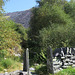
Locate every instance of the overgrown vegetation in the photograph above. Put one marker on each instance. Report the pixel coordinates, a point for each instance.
(13, 40)
(42, 70)
(69, 71)
(52, 24)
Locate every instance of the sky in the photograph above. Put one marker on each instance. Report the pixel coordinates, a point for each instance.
(19, 5)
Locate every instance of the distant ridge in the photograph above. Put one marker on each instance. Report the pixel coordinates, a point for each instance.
(22, 17)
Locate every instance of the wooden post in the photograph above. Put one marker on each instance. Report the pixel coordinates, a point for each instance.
(50, 61)
(26, 61)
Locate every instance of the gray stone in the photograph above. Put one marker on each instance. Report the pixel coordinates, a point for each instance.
(6, 73)
(68, 56)
(64, 67)
(56, 63)
(73, 58)
(57, 71)
(60, 69)
(62, 52)
(73, 65)
(74, 62)
(56, 66)
(70, 64)
(65, 64)
(67, 60)
(32, 69)
(62, 57)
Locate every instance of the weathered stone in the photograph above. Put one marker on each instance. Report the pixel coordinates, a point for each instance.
(70, 64)
(62, 53)
(73, 61)
(6, 73)
(67, 60)
(73, 58)
(56, 71)
(56, 66)
(73, 65)
(31, 69)
(62, 57)
(56, 63)
(54, 59)
(68, 56)
(65, 64)
(64, 67)
(60, 69)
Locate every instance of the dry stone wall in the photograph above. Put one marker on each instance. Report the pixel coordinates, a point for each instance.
(63, 61)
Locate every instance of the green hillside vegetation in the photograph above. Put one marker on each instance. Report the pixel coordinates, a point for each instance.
(12, 37)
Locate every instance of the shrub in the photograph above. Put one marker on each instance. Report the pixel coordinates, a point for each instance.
(7, 63)
(1, 68)
(41, 70)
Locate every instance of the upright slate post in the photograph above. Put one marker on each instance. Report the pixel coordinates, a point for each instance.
(26, 61)
(50, 61)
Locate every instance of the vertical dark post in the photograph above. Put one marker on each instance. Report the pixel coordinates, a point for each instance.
(50, 61)
(26, 61)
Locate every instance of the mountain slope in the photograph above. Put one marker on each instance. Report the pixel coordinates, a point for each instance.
(22, 17)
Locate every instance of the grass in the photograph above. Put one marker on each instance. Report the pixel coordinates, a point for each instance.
(68, 71)
(42, 70)
(10, 65)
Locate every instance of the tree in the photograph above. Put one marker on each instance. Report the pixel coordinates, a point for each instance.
(9, 38)
(47, 27)
(69, 8)
(12, 35)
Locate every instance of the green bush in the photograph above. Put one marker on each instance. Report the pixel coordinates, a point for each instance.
(3, 53)
(1, 68)
(18, 59)
(41, 70)
(6, 63)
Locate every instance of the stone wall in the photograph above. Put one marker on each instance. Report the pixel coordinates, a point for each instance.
(63, 60)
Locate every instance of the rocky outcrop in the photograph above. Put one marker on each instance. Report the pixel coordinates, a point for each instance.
(22, 17)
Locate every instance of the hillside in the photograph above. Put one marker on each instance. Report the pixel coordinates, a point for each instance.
(22, 17)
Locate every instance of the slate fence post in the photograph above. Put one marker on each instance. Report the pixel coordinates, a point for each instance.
(26, 61)
(50, 61)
